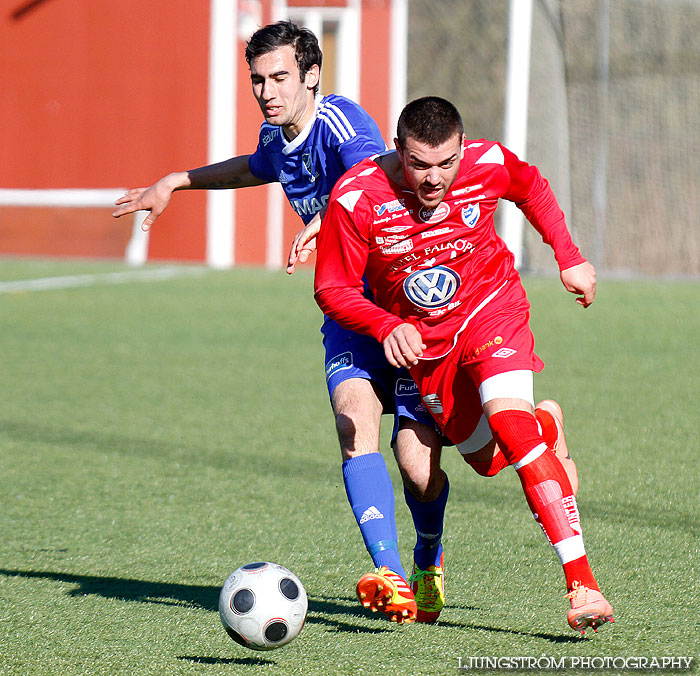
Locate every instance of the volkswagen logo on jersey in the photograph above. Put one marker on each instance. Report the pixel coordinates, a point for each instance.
(439, 213)
(470, 215)
(431, 288)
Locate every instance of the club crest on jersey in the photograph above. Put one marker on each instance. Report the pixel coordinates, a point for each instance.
(470, 215)
(308, 167)
(431, 288)
(439, 213)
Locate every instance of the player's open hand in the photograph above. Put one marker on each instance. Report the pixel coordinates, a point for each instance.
(143, 199)
(304, 244)
(403, 346)
(154, 199)
(580, 279)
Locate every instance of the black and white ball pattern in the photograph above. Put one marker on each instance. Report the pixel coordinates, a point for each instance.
(263, 605)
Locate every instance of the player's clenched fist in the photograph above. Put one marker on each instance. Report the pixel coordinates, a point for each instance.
(403, 346)
(580, 279)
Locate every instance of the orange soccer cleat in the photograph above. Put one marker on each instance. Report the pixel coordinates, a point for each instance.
(588, 608)
(551, 420)
(388, 592)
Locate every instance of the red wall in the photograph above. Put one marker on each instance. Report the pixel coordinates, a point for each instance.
(375, 64)
(100, 95)
(114, 94)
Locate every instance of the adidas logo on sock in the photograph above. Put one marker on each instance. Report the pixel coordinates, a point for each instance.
(371, 513)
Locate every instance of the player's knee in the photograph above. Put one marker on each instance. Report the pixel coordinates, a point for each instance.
(484, 454)
(346, 429)
(356, 399)
(426, 487)
(516, 433)
(417, 449)
(356, 435)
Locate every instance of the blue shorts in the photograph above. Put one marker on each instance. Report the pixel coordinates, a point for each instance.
(354, 355)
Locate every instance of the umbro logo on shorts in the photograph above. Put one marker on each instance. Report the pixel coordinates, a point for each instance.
(504, 352)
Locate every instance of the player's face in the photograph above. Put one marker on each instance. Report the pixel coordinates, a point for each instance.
(283, 97)
(430, 171)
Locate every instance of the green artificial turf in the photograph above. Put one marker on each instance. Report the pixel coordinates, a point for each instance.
(157, 433)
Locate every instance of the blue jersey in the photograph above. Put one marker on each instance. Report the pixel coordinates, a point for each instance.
(338, 136)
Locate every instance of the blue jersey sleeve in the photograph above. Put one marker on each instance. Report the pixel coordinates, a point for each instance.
(260, 162)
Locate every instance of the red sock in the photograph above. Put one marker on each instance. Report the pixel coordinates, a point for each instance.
(547, 490)
(550, 433)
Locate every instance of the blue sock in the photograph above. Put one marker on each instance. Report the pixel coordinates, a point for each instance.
(371, 496)
(428, 518)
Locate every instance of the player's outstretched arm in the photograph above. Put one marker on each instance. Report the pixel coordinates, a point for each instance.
(304, 243)
(232, 173)
(580, 279)
(403, 346)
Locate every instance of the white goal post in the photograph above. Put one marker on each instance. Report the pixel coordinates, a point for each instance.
(516, 105)
(137, 249)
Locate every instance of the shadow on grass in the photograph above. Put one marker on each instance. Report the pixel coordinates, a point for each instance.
(552, 638)
(339, 613)
(321, 609)
(247, 661)
(198, 596)
(121, 444)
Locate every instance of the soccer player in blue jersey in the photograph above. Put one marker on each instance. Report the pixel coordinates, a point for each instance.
(306, 143)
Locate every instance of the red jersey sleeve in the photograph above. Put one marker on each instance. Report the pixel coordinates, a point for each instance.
(341, 257)
(532, 193)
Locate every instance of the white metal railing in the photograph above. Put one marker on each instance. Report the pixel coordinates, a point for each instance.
(137, 249)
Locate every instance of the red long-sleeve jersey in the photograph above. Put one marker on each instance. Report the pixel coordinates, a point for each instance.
(432, 268)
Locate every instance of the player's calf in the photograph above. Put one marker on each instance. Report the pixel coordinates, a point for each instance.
(551, 421)
(550, 497)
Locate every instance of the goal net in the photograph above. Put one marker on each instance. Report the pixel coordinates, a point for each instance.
(613, 116)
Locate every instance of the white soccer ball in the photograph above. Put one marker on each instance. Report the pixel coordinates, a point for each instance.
(263, 605)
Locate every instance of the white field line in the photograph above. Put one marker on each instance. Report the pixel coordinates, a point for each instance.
(73, 281)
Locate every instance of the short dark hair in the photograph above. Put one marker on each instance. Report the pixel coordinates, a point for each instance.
(429, 120)
(283, 34)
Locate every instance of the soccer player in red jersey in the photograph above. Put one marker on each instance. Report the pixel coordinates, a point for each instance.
(448, 303)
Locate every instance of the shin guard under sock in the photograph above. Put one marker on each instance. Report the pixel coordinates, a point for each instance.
(428, 519)
(371, 496)
(547, 490)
